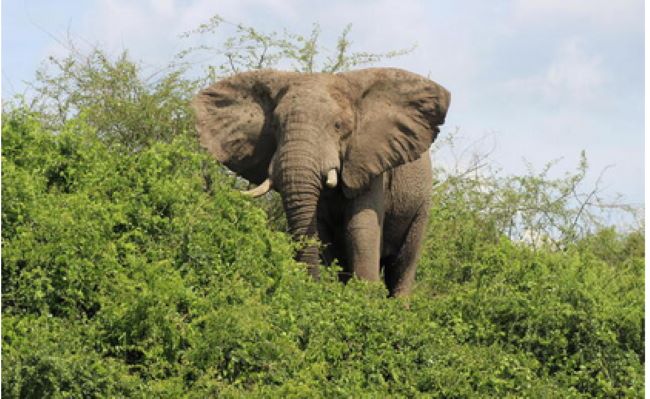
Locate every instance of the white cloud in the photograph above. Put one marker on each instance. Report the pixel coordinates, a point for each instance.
(573, 76)
(607, 14)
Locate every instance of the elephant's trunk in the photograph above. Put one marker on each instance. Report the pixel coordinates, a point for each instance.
(297, 171)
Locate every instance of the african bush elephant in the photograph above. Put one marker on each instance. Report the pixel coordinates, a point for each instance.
(348, 153)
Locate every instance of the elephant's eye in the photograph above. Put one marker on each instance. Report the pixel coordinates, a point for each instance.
(337, 125)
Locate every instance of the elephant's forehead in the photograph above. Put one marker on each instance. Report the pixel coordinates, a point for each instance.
(321, 87)
(316, 83)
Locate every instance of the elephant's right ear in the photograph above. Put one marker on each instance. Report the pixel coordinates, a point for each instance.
(234, 119)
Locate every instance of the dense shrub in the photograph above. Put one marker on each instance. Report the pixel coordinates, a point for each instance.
(142, 274)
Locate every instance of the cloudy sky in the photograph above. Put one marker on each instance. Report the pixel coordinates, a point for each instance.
(534, 80)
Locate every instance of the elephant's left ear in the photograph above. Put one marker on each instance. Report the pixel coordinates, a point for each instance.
(398, 117)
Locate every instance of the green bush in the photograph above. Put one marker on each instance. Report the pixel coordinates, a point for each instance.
(143, 274)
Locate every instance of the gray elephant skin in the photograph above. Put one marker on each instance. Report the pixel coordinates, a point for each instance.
(348, 153)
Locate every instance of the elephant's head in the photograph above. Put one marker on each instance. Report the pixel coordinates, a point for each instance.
(305, 133)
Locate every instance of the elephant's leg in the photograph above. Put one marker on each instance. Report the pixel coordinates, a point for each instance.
(363, 232)
(399, 272)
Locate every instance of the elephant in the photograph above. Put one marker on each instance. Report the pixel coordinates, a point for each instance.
(348, 153)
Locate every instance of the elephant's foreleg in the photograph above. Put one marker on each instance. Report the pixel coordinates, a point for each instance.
(363, 232)
(399, 274)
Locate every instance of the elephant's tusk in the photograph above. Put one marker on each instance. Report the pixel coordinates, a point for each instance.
(332, 179)
(260, 190)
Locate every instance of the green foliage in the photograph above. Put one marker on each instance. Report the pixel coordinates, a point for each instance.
(113, 96)
(143, 274)
(54, 357)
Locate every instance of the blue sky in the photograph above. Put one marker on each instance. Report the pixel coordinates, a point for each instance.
(531, 79)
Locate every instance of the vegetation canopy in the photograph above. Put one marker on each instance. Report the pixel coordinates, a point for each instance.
(131, 268)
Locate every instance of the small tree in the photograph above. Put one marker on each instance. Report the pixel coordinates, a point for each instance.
(533, 208)
(126, 108)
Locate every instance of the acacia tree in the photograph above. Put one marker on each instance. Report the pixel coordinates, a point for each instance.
(127, 108)
(246, 48)
(534, 208)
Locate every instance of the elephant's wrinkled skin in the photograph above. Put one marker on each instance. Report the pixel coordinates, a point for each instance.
(348, 153)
